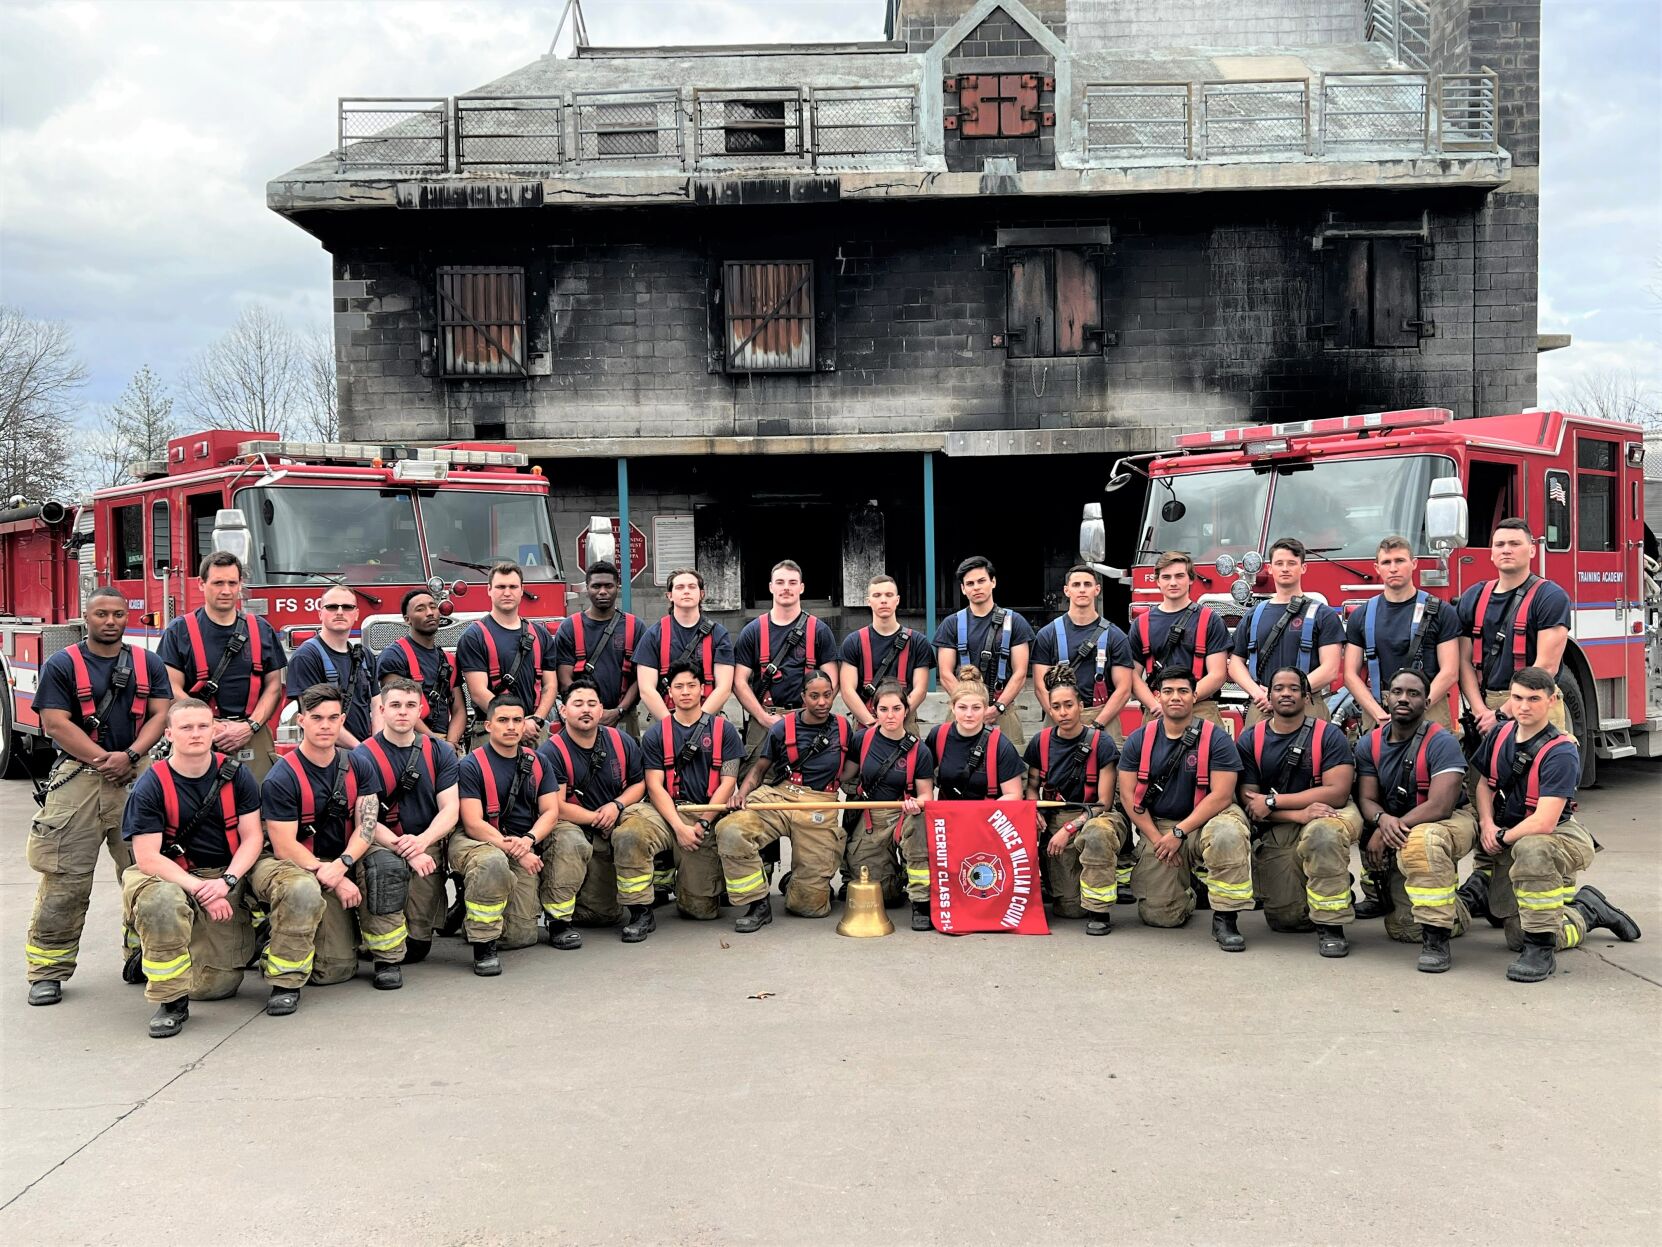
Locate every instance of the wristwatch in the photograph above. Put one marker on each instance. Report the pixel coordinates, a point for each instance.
(1270, 799)
(619, 805)
(229, 880)
(132, 756)
(999, 706)
(254, 726)
(1179, 833)
(347, 860)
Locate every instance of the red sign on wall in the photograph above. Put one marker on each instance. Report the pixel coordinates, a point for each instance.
(637, 549)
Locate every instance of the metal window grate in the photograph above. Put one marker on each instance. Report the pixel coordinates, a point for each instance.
(482, 321)
(522, 132)
(1245, 117)
(769, 315)
(852, 124)
(1404, 26)
(626, 125)
(1466, 111)
(1138, 119)
(393, 133)
(748, 127)
(1375, 110)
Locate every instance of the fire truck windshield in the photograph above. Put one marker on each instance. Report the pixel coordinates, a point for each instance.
(1342, 507)
(470, 530)
(1220, 513)
(366, 536)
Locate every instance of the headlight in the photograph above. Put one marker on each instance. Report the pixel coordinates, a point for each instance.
(1226, 565)
(1252, 562)
(1241, 592)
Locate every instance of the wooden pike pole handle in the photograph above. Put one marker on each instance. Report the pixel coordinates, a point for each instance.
(811, 806)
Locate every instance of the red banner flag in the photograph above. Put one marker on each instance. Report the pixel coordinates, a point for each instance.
(984, 867)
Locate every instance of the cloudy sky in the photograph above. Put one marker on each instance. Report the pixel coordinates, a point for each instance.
(136, 138)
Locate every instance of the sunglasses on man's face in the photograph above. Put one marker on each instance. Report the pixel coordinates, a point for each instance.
(338, 606)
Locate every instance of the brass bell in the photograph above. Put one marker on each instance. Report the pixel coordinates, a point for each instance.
(864, 917)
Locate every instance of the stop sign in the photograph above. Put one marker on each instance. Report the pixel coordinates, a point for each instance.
(637, 549)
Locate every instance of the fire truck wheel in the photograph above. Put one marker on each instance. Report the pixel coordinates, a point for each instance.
(1575, 710)
(10, 754)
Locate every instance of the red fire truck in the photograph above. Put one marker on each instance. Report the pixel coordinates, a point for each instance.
(1339, 485)
(379, 519)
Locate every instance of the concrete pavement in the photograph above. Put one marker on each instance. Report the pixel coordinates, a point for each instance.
(1142, 1088)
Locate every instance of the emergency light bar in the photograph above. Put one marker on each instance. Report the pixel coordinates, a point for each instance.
(358, 452)
(1245, 435)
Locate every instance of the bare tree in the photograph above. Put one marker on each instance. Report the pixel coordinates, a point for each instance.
(1611, 393)
(319, 417)
(40, 380)
(134, 429)
(248, 379)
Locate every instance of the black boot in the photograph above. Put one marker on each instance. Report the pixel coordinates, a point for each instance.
(641, 924)
(1227, 933)
(1203, 898)
(1601, 913)
(45, 992)
(389, 977)
(170, 1019)
(757, 916)
(1376, 897)
(1098, 924)
(1331, 941)
(1434, 950)
(562, 936)
(1536, 963)
(132, 967)
(283, 1001)
(456, 913)
(486, 964)
(920, 916)
(415, 951)
(1475, 892)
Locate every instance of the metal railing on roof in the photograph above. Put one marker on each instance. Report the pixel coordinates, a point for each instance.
(743, 127)
(1375, 110)
(393, 133)
(1467, 111)
(511, 133)
(1404, 26)
(1268, 116)
(851, 124)
(626, 126)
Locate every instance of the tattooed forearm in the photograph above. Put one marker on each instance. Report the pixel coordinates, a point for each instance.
(364, 817)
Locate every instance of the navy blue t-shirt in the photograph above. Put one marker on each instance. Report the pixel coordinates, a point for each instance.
(280, 799)
(1443, 755)
(435, 673)
(1317, 621)
(821, 770)
(601, 773)
(602, 664)
(918, 653)
(1159, 629)
(232, 698)
(1264, 753)
(1066, 773)
(420, 803)
(315, 663)
(522, 816)
(883, 773)
(56, 691)
(1111, 644)
(956, 780)
(1549, 608)
(206, 847)
(1177, 800)
(692, 783)
(471, 655)
(651, 652)
(787, 687)
(980, 638)
(1560, 773)
(1393, 630)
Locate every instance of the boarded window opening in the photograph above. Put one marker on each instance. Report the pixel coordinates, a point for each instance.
(754, 127)
(769, 315)
(1054, 304)
(629, 129)
(1371, 293)
(482, 321)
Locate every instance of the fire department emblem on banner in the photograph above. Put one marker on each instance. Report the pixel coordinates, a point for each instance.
(984, 867)
(981, 875)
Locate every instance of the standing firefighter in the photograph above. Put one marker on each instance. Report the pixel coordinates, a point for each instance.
(1177, 788)
(510, 803)
(995, 641)
(888, 762)
(1176, 632)
(321, 817)
(776, 652)
(884, 651)
(1296, 778)
(1096, 653)
(809, 746)
(102, 702)
(419, 657)
(692, 758)
(417, 774)
(1413, 802)
(504, 654)
(598, 645)
(194, 825)
(1404, 626)
(1289, 629)
(684, 637)
(1526, 815)
(333, 657)
(1079, 845)
(231, 660)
